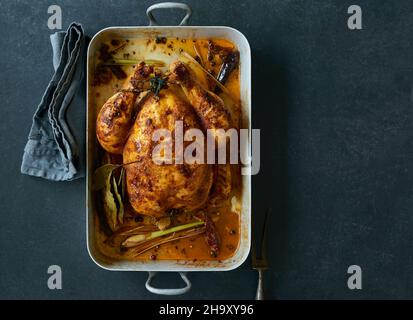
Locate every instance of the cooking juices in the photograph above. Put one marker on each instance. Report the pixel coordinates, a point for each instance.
(208, 58)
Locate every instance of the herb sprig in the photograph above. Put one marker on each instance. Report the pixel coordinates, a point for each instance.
(113, 193)
(157, 84)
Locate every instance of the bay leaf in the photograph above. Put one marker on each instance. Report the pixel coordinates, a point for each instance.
(111, 210)
(121, 210)
(101, 174)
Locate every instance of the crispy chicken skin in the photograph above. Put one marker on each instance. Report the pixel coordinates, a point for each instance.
(116, 116)
(155, 189)
(114, 121)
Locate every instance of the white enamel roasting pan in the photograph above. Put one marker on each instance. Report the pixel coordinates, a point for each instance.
(181, 31)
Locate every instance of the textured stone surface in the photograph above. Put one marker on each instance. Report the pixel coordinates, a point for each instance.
(335, 111)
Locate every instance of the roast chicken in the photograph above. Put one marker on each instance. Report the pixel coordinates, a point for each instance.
(127, 121)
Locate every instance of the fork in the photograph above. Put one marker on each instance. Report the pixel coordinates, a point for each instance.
(260, 262)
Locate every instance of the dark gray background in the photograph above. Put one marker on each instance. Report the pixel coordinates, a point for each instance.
(336, 116)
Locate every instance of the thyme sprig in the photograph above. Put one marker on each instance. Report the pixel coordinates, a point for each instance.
(157, 83)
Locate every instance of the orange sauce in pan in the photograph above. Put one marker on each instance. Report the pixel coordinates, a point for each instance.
(227, 216)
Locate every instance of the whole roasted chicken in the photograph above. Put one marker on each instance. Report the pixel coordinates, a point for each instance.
(126, 124)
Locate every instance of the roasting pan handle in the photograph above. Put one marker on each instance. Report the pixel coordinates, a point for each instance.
(168, 292)
(169, 5)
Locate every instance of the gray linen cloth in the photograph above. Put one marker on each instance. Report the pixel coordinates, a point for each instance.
(53, 150)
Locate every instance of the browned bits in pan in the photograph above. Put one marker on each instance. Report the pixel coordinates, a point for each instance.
(115, 42)
(160, 39)
(102, 75)
(118, 72)
(104, 53)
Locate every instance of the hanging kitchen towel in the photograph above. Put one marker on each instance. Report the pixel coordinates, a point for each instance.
(55, 147)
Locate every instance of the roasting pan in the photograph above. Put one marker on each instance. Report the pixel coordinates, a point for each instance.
(181, 31)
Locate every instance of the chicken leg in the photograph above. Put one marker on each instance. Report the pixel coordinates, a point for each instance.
(213, 114)
(115, 117)
(209, 107)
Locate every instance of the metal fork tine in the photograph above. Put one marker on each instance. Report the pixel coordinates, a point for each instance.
(260, 263)
(264, 237)
(259, 254)
(253, 254)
